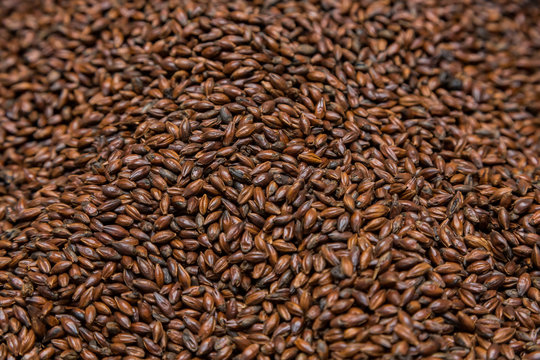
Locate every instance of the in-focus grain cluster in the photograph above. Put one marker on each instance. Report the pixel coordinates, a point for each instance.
(329, 179)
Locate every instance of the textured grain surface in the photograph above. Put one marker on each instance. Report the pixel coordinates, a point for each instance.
(269, 180)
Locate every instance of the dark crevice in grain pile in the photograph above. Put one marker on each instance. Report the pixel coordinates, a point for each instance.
(269, 180)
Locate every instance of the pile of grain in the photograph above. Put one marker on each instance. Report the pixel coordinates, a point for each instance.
(269, 179)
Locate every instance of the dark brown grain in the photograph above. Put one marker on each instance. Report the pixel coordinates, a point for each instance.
(269, 180)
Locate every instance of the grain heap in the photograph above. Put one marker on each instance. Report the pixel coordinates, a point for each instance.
(269, 179)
